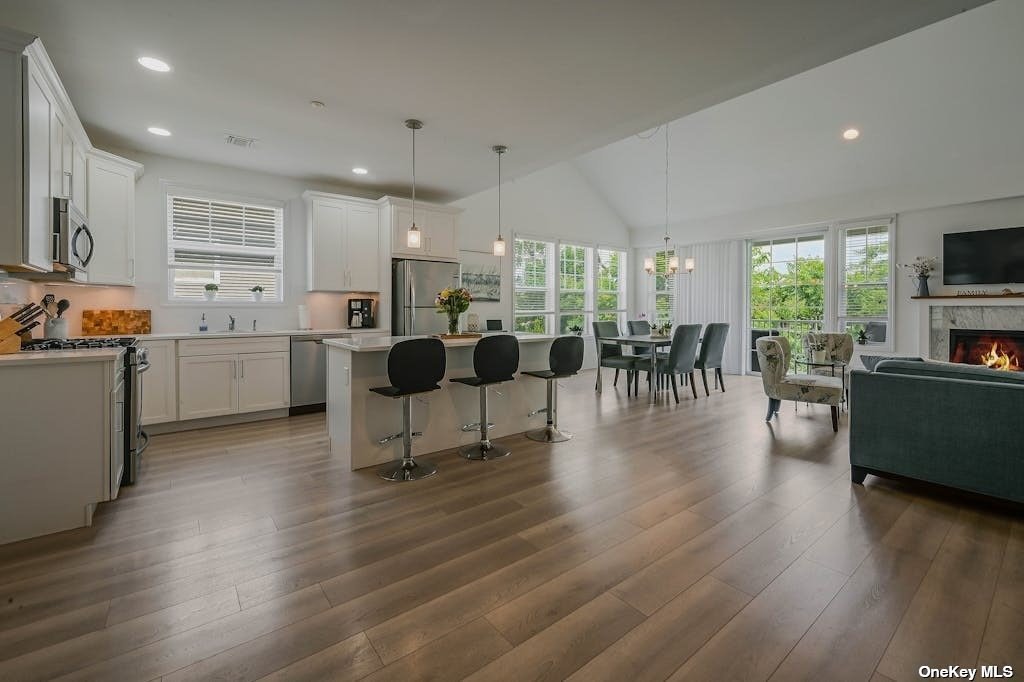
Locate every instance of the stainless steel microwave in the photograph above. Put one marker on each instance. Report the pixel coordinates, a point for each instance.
(73, 243)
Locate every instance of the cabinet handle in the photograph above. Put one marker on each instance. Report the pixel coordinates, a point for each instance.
(234, 369)
(242, 364)
(133, 269)
(67, 179)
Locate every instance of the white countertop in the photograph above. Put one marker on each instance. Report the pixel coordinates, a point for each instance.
(52, 357)
(184, 336)
(380, 343)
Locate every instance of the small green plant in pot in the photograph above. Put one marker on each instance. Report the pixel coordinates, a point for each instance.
(576, 329)
(211, 291)
(257, 293)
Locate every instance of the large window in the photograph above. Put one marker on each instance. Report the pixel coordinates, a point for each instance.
(534, 275)
(233, 245)
(560, 287)
(611, 286)
(575, 288)
(864, 282)
(664, 288)
(787, 286)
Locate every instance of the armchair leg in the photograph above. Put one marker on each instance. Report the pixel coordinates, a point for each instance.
(858, 474)
(704, 376)
(771, 410)
(835, 417)
(693, 385)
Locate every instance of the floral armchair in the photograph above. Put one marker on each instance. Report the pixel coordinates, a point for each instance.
(837, 347)
(773, 354)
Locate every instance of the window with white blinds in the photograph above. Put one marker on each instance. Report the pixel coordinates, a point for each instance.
(611, 286)
(865, 274)
(664, 288)
(234, 245)
(534, 285)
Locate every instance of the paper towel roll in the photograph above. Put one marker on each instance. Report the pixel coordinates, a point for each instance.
(304, 318)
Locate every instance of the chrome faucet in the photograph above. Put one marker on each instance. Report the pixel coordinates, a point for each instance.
(231, 323)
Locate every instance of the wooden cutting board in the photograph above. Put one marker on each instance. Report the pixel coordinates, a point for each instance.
(116, 322)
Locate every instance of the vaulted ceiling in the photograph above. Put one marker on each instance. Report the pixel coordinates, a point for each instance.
(939, 112)
(550, 79)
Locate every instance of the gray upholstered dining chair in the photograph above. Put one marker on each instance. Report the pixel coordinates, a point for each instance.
(681, 356)
(712, 348)
(643, 353)
(610, 354)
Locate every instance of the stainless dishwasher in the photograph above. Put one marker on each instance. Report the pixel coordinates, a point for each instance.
(309, 372)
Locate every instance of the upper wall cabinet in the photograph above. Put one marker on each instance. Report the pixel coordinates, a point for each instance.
(42, 153)
(439, 225)
(111, 205)
(343, 243)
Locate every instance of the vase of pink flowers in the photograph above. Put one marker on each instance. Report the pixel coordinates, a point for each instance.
(453, 302)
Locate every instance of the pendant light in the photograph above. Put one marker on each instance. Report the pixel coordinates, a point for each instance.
(499, 243)
(414, 238)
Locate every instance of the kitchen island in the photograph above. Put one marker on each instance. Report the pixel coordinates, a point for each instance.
(358, 419)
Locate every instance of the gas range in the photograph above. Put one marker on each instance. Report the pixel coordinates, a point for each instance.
(78, 344)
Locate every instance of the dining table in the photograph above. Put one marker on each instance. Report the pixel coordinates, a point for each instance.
(640, 341)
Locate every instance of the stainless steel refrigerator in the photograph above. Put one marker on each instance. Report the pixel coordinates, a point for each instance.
(414, 286)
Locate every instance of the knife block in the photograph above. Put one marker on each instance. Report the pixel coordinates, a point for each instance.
(10, 342)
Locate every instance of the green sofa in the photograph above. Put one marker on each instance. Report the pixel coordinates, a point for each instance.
(951, 424)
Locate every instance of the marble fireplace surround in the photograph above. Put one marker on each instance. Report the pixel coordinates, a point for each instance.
(942, 318)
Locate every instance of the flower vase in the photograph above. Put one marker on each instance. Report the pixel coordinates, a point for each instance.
(819, 356)
(922, 286)
(210, 295)
(453, 324)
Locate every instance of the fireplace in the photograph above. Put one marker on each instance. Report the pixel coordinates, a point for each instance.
(995, 348)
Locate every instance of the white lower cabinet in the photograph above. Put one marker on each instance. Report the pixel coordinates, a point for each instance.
(219, 377)
(207, 386)
(160, 383)
(263, 381)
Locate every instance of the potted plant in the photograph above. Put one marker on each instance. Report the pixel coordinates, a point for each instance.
(210, 291)
(662, 330)
(816, 348)
(257, 293)
(576, 330)
(453, 302)
(922, 269)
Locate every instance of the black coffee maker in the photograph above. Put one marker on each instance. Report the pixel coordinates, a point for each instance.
(360, 312)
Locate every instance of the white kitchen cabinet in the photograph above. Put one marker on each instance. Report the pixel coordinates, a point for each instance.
(207, 386)
(439, 226)
(263, 381)
(35, 166)
(160, 383)
(111, 204)
(231, 376)
(343, 243)
(80, 179)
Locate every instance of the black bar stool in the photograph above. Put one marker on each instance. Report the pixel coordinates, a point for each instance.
(414, 366)
(565, 360)
(495, 360)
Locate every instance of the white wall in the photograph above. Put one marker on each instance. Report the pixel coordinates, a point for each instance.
(554, 202)
(151, 252)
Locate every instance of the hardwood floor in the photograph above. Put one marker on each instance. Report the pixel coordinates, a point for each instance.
(682, 542)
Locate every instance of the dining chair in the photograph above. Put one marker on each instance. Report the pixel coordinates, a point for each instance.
(681, 357)
(640, 328)
(610, 355)
(712, 348)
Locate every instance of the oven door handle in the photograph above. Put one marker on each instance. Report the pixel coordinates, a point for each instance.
(142, 367)
(143, 442)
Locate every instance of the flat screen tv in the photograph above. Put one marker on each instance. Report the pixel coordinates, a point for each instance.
(983, 257)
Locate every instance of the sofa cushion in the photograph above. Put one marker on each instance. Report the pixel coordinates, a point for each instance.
(949, 370)
(870, 361)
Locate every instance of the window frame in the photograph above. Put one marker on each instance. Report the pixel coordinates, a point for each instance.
(171, 190)
(550, 311)
(553, 315)
(841, 228)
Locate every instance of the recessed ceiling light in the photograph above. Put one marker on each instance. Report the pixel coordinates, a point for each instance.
(162, 132)
(851, 134)
(360, 171)
(317, 104)
(154, 64)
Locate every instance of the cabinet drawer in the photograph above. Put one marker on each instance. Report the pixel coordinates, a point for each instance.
(231, 346)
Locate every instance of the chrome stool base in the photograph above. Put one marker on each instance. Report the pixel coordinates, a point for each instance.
(484, 451)
(549, 434)
(407, 470)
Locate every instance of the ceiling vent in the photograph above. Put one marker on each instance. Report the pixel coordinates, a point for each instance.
(240, 141)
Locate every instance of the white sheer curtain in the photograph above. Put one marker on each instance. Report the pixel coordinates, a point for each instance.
(714, 292)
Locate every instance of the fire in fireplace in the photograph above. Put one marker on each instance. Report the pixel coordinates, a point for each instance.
(998, 349)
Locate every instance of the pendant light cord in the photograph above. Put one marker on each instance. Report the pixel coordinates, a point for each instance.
(666, 191)
(414, 177)
(499, 195)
